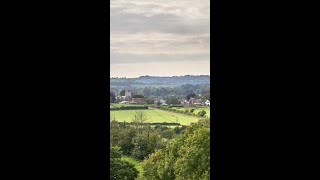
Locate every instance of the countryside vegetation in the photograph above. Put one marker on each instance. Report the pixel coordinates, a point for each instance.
(163, 136)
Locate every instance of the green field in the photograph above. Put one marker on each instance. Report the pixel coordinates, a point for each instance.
(136, 163)
(154, 115)
(197, 109)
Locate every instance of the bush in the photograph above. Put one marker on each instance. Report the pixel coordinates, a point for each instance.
(202, 113)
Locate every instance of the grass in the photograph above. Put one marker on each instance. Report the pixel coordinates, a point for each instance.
(154, 115)
(196, 110)
(135, 162)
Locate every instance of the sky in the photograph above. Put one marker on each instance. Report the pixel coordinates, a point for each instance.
(159, 37)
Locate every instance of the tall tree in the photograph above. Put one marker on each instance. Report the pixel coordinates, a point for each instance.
(123, 92)
(139, 119)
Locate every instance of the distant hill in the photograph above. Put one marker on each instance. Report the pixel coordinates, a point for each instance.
(178, 86)
(153, 80)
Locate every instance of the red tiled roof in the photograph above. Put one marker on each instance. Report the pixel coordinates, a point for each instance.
(137, 99)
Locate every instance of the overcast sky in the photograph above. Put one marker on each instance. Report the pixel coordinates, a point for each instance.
(159, 37)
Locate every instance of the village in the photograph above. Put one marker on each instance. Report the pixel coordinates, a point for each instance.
(128, 98)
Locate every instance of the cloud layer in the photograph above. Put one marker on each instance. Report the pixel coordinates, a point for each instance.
(158, 31)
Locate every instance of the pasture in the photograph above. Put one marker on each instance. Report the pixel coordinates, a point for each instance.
(154, 115)
(197, 109)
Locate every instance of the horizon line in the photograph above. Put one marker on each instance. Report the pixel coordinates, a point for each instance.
(161, 76)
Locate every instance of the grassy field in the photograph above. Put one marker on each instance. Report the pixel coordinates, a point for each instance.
(198, 109)
(136, 163)
(154, 115)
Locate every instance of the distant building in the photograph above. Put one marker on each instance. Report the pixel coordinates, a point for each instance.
(124, 102)
(194, 101)
(161, 101)
(127, 93)
(137, 100)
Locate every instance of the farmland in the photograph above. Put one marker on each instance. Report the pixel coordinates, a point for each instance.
(196, 109)
(154, 115)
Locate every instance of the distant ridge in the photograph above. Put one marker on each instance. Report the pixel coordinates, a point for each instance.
(162, 80)
(159, 76)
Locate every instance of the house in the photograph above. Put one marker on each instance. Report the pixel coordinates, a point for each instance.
(194, 101)
(161, 101)
(207, 102)
(183, 101)
(119, 98)
(197, 102)
(137, 100)
(127, 93)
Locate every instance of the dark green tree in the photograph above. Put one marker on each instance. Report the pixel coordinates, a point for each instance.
(138, 96)
(172, 100)
(123, 92)
(202, 113)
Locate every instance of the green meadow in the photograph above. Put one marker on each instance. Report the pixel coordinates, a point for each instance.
(196, 109)
(154, 115)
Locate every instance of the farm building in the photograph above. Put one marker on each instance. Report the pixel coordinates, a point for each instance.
(137, 100)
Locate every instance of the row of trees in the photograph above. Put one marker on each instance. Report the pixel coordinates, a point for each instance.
(177, 91)
(175, 80)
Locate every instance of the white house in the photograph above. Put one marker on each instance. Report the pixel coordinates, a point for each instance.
(127, 93)
(207, 102)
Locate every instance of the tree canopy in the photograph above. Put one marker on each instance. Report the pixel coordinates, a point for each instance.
(185, 157)
(120, 169)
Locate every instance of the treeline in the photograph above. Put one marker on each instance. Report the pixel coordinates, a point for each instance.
(174, 80)
(176, 91)
(152, 124)
(128, 108)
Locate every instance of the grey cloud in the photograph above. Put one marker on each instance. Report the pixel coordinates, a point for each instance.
(129, 58)
(131, 23)
(149, 31)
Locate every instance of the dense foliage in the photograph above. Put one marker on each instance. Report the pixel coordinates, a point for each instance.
(128, 108)
(185, 157)
(179, 153)
(179, 91)
(120, 169)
